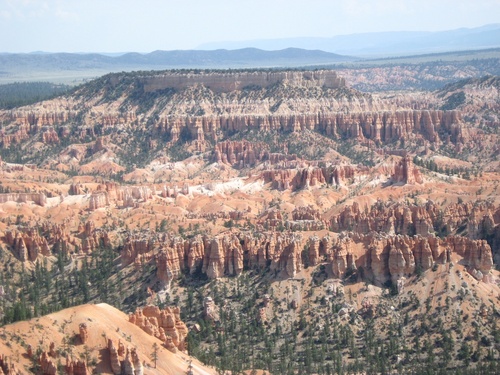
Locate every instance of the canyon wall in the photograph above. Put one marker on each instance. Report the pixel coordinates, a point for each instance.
(423, 220)
(240, 154)
(37, 198)
(231, 81)
(387, 241)
(166, 325)
(377, 257)
(384, 126)
(348, 114)
(295, 178)
(47, 239)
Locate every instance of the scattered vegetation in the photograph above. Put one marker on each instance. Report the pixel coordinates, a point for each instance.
(453, 101)
(24, 93)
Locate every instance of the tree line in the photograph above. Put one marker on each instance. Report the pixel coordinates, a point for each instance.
(19, 94)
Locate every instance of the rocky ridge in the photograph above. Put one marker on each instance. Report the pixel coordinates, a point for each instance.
(166, 325)
(122, 347)
(199, 115)
(382, 257)
(231, 81)
(47, 239)
(37, 198)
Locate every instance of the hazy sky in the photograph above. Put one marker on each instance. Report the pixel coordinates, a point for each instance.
(148, 25)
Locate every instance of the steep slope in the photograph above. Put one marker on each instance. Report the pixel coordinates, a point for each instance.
(132, 118)
(59, 336)
(213, 189)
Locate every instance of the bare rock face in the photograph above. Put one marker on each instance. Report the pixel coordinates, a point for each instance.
(400, 218)
(383, 258)
(8, 367)
(128, 364)
(169, 344)
(76, 367)
(138, 368)
(406, 172)
(47, 364)
(401, 261)
(210, 309)
(224, 255)
(216, 260)
(130, 196)
(384, 126)
(391, 255)
(169, 264)
(294, 177)
(49, 135)
(37, 198)
(225, 82)
(240, 154)
(271, 218)
(38, 118)
(314, 250)
(52, 349)
(28, 243)
(306, 213)
(135, 246)
(114, 358)
(305, 219)
(477, 253)
(99, 145)
(98, 200)
(174, 191)
(75, 189)
(162, 324)
(84, 335)
(93, 237)
(215, 257)
(89, 228)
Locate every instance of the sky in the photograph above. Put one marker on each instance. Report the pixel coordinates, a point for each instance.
(149, 25)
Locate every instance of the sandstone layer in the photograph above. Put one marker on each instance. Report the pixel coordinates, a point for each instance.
(379, 257)
(166, 325)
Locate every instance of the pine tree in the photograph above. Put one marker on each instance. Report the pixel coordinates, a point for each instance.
(154, 353)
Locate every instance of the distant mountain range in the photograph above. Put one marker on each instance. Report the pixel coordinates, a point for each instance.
(297, 52)
(382, 44)
(63, 67)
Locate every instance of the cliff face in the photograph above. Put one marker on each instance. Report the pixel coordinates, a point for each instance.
(297, 177)
(98, 200)
(7, 367)
(391, 258)
(377, 257)
(47, 239)
(406, 172)
(36, 119)
(37, 198)
(211, 106)
(29, 242)
(240, 154)
(387, 241)
(383, 126)
(165, 325)
(423, 220)
(231, 81)
(126, 196)
(28, 122)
